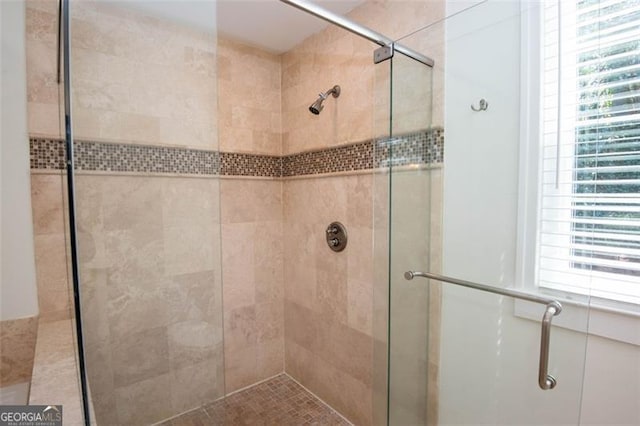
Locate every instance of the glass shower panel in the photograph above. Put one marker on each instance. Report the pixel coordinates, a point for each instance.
(404, 175)
(381, 214)
(413, 171)
(147, 193)
(459, 355)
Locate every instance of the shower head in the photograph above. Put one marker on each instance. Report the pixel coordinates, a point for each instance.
(317, 106)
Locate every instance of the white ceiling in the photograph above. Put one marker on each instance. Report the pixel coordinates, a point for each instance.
(268, 24)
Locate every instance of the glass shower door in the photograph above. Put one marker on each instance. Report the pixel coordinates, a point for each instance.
(469, 347)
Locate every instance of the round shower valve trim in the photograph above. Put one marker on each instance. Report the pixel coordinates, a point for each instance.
(336, 236)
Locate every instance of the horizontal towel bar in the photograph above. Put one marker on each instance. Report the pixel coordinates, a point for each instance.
(545, 380)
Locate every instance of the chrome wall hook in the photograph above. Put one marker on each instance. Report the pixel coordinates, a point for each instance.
(482, 107)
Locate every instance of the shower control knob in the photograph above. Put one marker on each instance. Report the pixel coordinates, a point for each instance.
(332, 230)
(336, 236)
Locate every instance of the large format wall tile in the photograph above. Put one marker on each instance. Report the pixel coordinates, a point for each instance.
(152, 298)
(122, 60)
(249, 90)
(17, 350)
(50, 243)
(328, 295)
(252, 247)
(150, 245)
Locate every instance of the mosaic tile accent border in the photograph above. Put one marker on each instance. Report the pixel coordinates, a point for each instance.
(237, 164)
(416, 148)
(50, 154)
(425, 147)
(47, 154)
(344, 158)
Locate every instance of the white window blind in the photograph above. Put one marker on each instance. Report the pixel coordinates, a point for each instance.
(589, 221)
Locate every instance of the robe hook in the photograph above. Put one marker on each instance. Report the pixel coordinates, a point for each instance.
(482, 106)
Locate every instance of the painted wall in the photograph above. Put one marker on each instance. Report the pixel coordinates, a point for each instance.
(489, 356)
(18, 270)
(18, 293)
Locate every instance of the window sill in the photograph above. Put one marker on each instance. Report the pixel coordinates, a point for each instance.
(623, 326)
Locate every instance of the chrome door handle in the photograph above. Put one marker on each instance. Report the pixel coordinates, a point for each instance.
(545, 380)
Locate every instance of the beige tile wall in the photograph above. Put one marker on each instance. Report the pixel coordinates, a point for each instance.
(249, 103)
(149, 246)
(253, 267)
(17, 350)
(55, 375)
(414, 305)
(49, 220)
(136, 79)
(252, 217)
(314, 310)
(328, 58)
(415, 24)
(334, 56)
(328, 295)
(150, 268)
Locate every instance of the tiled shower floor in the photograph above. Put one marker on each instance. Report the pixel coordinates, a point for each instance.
(279, 402)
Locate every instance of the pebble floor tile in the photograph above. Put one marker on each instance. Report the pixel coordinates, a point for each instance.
(277, 402)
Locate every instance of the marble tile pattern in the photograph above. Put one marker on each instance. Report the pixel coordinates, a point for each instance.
(414, 307)
(334, 56)
(150, 261)
(249, 89)
(279, 401)
(122, 60)
(48, 201)
(17, 350)
(55, 375)
(253, 259)
(150, 264)
(328, 295)
(425, 147)
(329, 323)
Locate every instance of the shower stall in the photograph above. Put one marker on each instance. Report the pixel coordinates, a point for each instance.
(197, 213)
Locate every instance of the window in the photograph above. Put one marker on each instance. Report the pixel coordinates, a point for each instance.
(589, 193)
